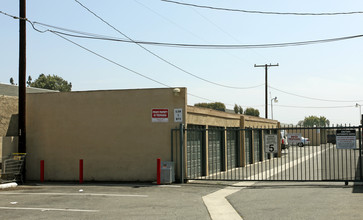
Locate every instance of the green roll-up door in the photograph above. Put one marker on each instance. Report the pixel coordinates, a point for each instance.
(194, 151)
(257, 145)
(248, 146)
(214, 149)
(232, 148)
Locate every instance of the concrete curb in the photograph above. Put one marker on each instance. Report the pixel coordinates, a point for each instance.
(8, 185)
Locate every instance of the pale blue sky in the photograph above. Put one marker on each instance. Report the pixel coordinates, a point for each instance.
(329, 71)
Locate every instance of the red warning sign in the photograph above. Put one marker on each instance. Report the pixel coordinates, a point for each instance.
(160, 115)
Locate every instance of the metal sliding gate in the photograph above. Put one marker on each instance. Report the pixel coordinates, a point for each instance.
(312, 154)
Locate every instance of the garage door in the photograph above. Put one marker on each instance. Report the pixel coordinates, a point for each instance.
(194, 151)
(248, 146)
(257, 145)
(232, 144)
(215, 145)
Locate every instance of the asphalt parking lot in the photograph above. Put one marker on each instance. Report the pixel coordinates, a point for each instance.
(305, 200)
(104, 201)
(261, 200)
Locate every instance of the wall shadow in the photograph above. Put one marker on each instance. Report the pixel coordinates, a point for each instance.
(13, 126)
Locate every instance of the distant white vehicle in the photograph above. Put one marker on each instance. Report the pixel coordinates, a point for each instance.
(304, 141)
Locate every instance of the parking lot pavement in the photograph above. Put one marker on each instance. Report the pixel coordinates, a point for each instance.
(256, 200)
(306, 200)
(105, 201)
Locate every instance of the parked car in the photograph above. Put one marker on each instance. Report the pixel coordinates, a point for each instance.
(284, 143)
(304, 141)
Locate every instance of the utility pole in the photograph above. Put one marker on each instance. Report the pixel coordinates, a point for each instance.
(22, 78)
(266, 85)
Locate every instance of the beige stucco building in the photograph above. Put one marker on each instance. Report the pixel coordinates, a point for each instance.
(119, 134)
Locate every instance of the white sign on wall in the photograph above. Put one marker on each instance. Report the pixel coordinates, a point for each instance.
(271, 143)
(178, 115)
(346, 139)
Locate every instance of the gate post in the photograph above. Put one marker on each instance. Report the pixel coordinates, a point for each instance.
(181, 131)
(242, 142)
(360, 149)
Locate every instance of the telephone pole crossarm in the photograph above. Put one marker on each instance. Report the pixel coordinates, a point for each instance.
(266, 85)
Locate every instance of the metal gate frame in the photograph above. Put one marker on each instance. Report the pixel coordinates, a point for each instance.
(318, 160)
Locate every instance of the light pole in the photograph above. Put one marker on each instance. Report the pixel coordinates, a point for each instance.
(275, 100)
(360, 112)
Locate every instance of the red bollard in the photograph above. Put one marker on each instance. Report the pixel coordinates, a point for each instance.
(158, 171)
(42, 171)
(81, 171)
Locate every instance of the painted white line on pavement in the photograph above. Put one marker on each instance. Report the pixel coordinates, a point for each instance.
(49, 209)
(74, 194)
(218, 206)
(279, 169)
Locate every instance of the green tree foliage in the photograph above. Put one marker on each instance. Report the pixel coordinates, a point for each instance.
(53, 82)
(214, 105)
(252, 111)
(236, 109)
(240, 110)
(312, 121)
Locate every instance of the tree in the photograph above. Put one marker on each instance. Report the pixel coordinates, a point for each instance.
(312, 121)
(240, 110)
(214, 105)
(236, 109)
(252, 111)
(53, 82)
(324, 121)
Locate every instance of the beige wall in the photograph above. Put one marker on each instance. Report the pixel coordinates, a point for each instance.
(112, 131)
(8, 113)
(257, 122)
(210, 117)
(8, 145)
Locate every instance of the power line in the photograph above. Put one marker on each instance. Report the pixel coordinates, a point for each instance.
(162, 59)
(225, 32)
(222, 30)
(265, 12)
(292, 106)
(184, 45)
(151, 79)
(311, 98)
(111, 61)
(101, 37)
(170, 21)
(124, 67)
(99, 55)
(198, 46)
(60, 33)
